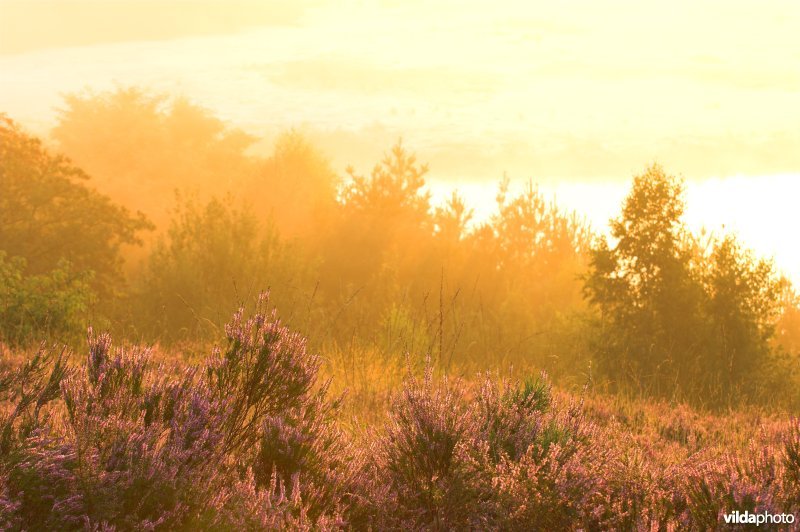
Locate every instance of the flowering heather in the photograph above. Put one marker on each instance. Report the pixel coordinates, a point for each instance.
(250, 440)
(120, 443)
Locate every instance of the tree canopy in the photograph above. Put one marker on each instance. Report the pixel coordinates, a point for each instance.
(141, 146)
(679, 317)
(48, 213)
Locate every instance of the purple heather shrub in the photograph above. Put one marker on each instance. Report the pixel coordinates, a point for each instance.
(791, 464)
(421, 457)
(137, 446)
(547, 492)
(305, 443)
(756, 481)
(264, 370)
(40, 486)
(31, 389)
(515, 420)
(270, 508)
(568, 475)
(683, 426)
(250, 440)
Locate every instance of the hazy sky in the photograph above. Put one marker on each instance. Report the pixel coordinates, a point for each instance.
(561, 89)
(568, 93)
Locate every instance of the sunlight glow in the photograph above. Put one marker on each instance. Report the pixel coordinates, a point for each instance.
(708, 90)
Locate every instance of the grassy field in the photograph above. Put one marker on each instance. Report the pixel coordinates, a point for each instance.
(263, 434)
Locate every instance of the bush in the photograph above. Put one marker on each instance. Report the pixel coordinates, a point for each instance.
(249, 439)
(676, 318)
(135, 446)
(514, 461)
(48, 214)
(35, 307)
(213, 257)
(421, 458)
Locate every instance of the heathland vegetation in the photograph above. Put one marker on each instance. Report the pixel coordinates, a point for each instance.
(671, 358)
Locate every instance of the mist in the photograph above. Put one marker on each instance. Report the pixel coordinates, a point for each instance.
(398, 266)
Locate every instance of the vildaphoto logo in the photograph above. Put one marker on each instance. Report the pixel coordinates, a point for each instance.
(764, 518)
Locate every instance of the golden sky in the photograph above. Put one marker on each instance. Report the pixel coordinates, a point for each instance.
(567, 89)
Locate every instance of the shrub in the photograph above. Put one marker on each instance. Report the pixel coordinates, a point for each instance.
(54, 304)
(677, 320)
(249, 439)
(135, 446)
(213, 257)
(49, 214)
(791, 466)
(421, 457)
(512, 418)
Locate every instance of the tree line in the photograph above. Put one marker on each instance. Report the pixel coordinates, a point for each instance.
(183, 220)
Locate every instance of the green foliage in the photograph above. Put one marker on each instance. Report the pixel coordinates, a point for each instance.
(743, 308)
(403, 333)
(498, 291)
(394, 188)
(649, 300)
(787, 330)
(212, 258)
(53, 305)
(48, 214)
(371, 264)
(452, 219)
(676, 320)
(534, 395)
